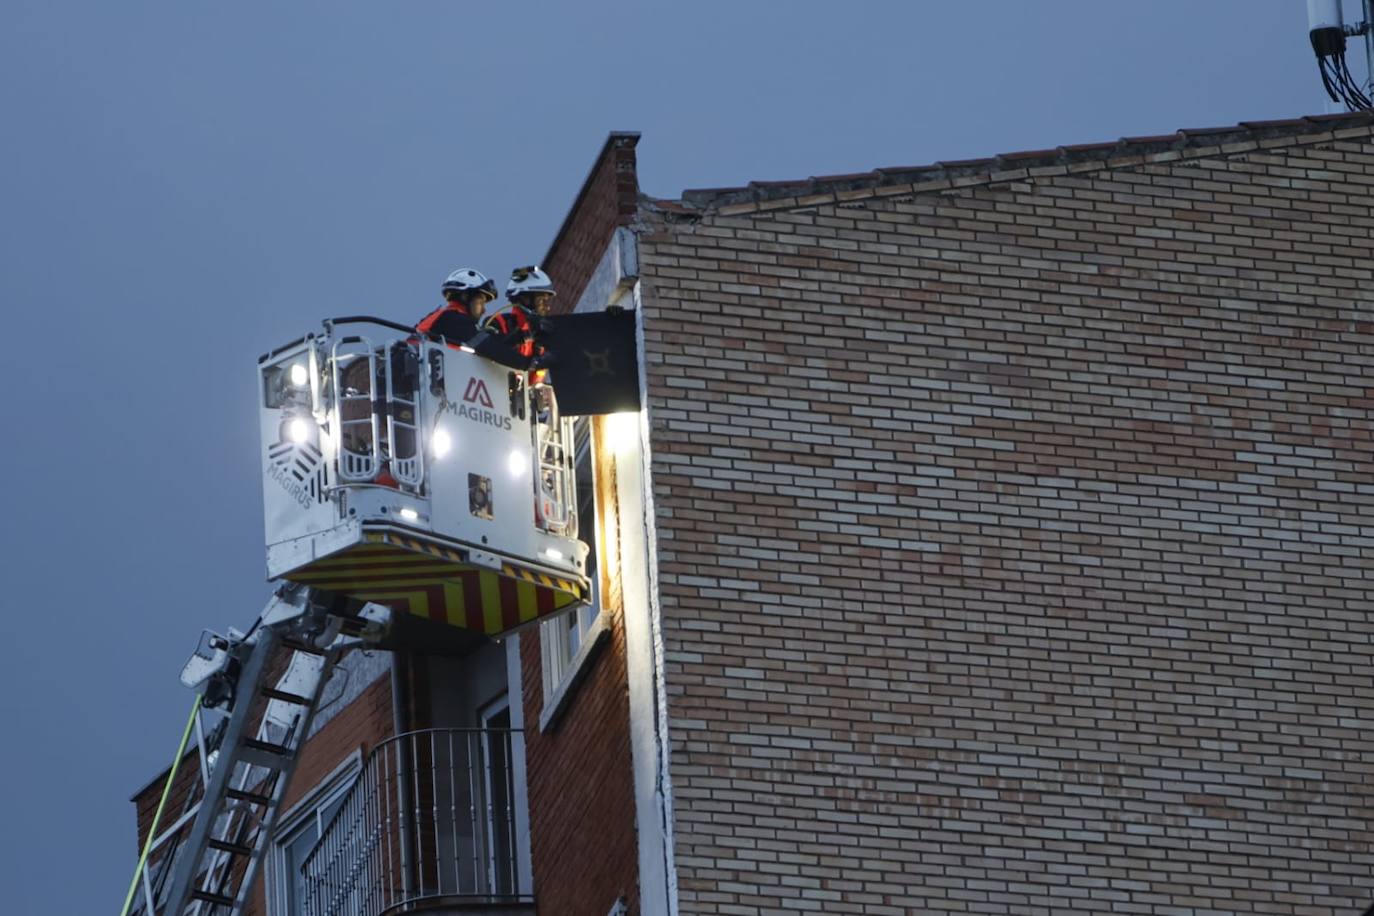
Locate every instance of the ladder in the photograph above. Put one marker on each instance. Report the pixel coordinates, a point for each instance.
(210, 856)
(554, 499)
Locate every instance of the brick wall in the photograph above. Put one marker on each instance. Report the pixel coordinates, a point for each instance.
(1014, 538)
(608, 198)
(581, 790)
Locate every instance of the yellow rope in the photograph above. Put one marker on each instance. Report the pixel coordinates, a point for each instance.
(166, 791)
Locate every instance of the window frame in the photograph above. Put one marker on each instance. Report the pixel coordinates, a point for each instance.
(485, 714)
(328, 790)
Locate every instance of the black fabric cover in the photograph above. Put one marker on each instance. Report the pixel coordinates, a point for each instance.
(594, 367)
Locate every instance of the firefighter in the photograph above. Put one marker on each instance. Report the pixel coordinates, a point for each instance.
(521, 325)
(466, 294)
(530, 293)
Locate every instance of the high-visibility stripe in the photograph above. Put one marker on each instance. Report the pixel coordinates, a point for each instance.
(455, 608)
(545, 601)
(472, 595)
(416, 576)
(528, 600)
(391, 556)
(419, 603)
(380, 573)
(399, 582)
(491, 604)
(370, 550)
(543, 580)
(510, 602)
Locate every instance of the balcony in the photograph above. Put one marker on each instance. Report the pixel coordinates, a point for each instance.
(430, 826)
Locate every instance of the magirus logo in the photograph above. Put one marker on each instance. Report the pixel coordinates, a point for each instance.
(476, 394)
(295, 466)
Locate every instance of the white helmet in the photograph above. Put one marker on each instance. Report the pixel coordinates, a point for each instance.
(528, 280)
(465, 278)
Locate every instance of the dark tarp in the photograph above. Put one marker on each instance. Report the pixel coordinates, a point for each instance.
(594, 367)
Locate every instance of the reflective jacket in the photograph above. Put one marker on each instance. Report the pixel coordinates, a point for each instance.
(517, 326)
(458, 328)
(451, 320)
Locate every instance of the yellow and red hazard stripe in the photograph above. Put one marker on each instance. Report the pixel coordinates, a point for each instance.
(431, 580)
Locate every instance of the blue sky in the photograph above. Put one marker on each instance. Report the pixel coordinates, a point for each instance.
(186, 184)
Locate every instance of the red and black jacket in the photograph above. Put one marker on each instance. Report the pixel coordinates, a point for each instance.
(451, 321)
(518, 328)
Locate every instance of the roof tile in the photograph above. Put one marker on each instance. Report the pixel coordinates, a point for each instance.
(1090, 147)
(1191, 132)
(1157, 138)
(1072, 158)
(965, 163)
(852, 176)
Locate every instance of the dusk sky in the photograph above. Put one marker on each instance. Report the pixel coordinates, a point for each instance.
(186, 185)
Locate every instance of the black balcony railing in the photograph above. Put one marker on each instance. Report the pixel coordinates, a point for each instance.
(430, 821)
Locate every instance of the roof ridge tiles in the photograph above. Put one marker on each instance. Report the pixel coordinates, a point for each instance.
(784, 183)
(850, 176)
(1077, 148)
(964, 163)
(1152, 139)
(1272, 123)
(1337, 116)
(1027, 154)
(757, 192)
(1187, 132)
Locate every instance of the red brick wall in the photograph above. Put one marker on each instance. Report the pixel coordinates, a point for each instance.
(581, 788)
(609, 198)
(1014, 539)
(581, 793)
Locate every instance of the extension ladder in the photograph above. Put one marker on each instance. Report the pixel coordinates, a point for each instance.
(211, 854)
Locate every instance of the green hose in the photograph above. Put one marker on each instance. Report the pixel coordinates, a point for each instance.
(166, 791)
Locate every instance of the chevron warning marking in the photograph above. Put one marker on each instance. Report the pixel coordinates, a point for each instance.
(419, 577)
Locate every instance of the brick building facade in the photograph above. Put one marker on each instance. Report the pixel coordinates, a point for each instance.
(994, 538)
(1013, 530)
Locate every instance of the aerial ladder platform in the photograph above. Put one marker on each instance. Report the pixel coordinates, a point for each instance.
(416, 494)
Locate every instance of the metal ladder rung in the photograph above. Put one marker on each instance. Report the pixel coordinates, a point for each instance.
(266, 754)
(253, 798)
(293, 698)
(234, 849)
(216, 899)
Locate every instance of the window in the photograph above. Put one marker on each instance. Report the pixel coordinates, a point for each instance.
(566, 639)
(502, 869)
(299, 833)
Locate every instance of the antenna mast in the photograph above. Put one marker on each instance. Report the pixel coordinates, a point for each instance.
(1328, 32)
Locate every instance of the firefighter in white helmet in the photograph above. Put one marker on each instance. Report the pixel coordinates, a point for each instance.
(466, 294)
(530, 293)
(521, 325)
